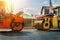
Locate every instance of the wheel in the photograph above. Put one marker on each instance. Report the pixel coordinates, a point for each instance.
(16, 26)
(46, 24)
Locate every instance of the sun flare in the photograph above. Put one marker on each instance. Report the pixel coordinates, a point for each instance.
(14, 4)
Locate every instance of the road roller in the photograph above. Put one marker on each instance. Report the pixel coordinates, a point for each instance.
(49, 19)
(8, 20)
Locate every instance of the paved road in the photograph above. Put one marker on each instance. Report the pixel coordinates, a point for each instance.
(30, 34)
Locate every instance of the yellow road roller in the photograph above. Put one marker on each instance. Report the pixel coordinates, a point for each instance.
(50, 18)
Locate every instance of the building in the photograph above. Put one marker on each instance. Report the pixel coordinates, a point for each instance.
(28, 19)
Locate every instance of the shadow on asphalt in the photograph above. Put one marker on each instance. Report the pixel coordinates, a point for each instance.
(49, 30)
(54, 30)
(22, 33)
(25, 33)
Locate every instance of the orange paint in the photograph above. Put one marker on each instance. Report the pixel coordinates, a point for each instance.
(5, 23)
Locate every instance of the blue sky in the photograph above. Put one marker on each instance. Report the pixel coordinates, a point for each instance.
(33, 6)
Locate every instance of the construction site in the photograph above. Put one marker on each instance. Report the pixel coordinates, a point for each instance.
(29, 20)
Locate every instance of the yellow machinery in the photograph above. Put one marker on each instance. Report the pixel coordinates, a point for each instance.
(50, 18)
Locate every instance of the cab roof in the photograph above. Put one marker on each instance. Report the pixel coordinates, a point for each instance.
(54, 7)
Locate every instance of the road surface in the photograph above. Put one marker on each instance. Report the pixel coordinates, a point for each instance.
(30, 34)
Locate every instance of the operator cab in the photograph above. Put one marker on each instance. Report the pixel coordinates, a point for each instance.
(56, 10)
(45, 11)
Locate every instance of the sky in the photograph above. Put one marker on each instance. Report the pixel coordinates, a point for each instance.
(32, 7)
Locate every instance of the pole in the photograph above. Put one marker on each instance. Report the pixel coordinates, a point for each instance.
(50, 3)
(51, 11)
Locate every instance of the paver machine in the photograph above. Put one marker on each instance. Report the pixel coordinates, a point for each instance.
(8, 20)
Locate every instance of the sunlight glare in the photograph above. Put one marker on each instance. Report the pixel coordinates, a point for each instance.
(18, 4)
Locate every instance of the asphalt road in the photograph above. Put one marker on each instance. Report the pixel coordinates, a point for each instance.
(30, 34)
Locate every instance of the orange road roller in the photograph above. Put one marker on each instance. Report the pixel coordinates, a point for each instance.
(13, 22)
(8, 20)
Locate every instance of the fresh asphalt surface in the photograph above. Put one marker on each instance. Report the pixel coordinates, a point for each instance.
(30, 34)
